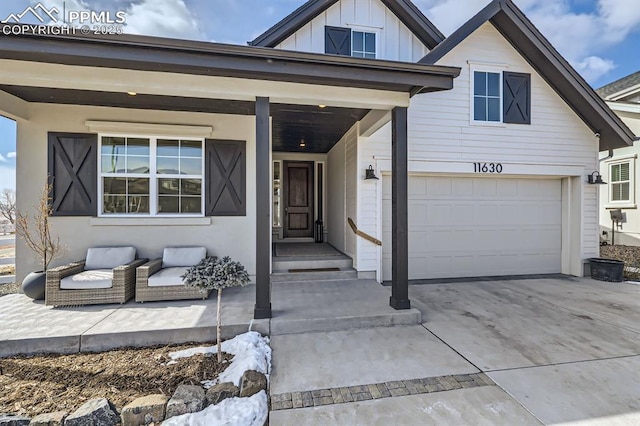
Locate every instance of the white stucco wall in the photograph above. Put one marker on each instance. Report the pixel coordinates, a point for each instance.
(441, 134)
(233, 236)
(394, 41)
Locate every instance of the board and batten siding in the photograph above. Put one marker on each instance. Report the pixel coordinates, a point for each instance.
(394, 41)
(440, 129)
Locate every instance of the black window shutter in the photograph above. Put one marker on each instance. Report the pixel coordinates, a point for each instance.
(517, 98)
(337, 40)
(73, 170)
(225, 174)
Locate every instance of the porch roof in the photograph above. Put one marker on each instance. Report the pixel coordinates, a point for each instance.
(184, 75)
(144, 53)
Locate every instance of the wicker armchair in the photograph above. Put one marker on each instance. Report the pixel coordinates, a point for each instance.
(167, 291)
(121, 290)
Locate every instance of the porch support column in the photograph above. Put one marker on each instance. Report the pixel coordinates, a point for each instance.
(263, 209)
(399, 211)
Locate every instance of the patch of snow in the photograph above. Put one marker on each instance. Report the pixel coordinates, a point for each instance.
(250, 351)
(250, 411)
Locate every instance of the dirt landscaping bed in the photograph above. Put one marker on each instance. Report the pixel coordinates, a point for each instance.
(48, 383)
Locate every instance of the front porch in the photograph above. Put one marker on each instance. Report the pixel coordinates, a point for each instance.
(30, 326)
(183, 135)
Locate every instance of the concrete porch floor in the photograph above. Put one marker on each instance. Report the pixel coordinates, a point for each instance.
(30, 327)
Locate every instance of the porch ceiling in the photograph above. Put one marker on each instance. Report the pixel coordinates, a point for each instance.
(320, 128)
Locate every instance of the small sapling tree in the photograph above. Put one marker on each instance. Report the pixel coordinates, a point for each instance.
(216, 274)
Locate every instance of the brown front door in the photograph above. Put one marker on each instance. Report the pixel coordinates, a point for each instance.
(298, 199)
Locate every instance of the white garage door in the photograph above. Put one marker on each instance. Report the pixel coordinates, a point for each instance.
(470, 227)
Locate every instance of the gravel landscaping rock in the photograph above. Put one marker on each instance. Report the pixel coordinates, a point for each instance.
(221, 391)
(49, 419)
(146, 410)
(13, 420)
(96, 412)
(186, 399)
(630, 255)
(252, 382)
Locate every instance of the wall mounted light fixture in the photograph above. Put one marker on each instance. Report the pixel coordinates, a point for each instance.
(370, 174)
(595, 178)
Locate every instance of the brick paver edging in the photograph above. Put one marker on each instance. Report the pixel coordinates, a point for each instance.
(314, 398)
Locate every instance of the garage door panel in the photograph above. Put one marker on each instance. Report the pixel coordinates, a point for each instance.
(462, 227)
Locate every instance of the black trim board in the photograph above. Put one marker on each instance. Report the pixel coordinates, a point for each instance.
(263, 211)
(145, 53)
(399, 210)
(405, 10)
(505, 16)
(414, 19)
(291, 23)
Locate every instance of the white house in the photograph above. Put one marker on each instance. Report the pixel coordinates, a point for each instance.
(619, 168)
(482, 141)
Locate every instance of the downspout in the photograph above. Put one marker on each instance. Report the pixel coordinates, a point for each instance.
(607, 157)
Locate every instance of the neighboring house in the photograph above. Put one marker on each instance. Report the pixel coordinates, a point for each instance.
(619, 169)
(482, 142)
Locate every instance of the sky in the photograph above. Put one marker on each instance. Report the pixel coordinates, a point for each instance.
(600, 38)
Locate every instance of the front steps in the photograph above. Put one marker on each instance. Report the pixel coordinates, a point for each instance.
(326, 295)
(313, 268)
(311, 307)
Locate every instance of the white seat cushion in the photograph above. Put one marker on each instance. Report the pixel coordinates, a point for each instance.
(182, 256)
(167, 277)
(109, 257)
(94, 279)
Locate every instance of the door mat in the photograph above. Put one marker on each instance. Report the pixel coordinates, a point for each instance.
(293, 271)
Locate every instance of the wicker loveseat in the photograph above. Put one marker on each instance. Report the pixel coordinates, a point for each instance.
(161, 279)
(107, 275)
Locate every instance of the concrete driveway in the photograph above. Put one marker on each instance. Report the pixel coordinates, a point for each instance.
(553, 351)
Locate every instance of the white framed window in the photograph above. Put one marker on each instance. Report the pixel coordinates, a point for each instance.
(620, 182)
(487, 96)
(151, 176)
(363, 44)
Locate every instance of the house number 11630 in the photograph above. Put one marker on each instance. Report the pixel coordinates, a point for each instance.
(487, 168)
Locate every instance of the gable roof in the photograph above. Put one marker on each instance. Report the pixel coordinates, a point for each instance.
(405, 10)
(622, 85)
(516, 28)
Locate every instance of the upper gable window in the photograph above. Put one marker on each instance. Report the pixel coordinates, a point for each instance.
(364, 45)
(501, 97)
(344, 41)
(487, 93)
